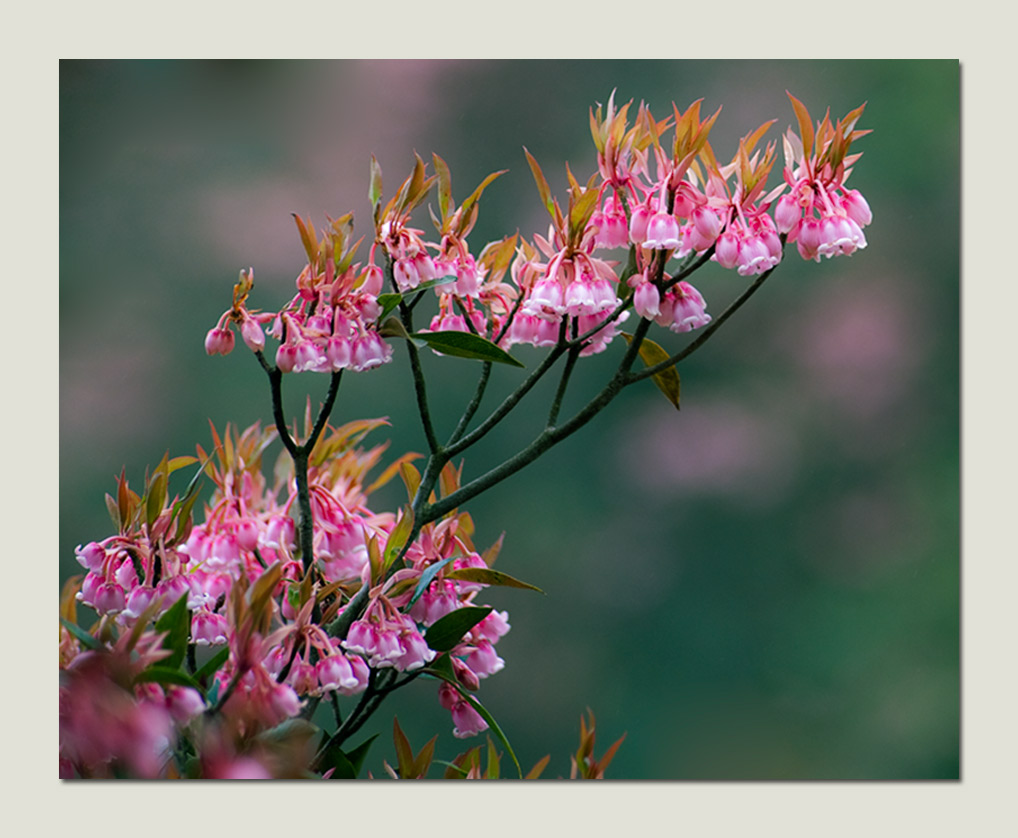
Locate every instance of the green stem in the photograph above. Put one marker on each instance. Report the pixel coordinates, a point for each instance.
(508, 404)
(420, 388)
(545, 440)
(567, 372)
(705, 334)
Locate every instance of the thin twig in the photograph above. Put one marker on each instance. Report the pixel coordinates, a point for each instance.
(705, 334)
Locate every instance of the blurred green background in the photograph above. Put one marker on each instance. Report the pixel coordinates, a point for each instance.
(764, 585)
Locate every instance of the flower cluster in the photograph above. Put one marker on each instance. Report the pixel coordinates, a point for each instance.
(329, 325)
(658, 198)
(819, 214)
(222, 628)
(284, 654)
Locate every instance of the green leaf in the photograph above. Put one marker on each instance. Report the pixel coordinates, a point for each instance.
(182, 508)
(492, 771)
(260, 592)
(388, 302)
(404, 753)
(83, 636)
(426, 579)
(805, 124)
(179, 462)
(177, 625)
(398, 537)
(446, 633)
(166, 675)
(444, 185)
(583, 207)
(156, 498)
(441, 667)
(211, 666)
(393, 327)
(411, 479)
(111, 507)
(434, 283)
(465, 345)
(289, 732)
(487, 576)
(347, 764)
(358, 754)
(307, 237)
(542, 183)
(336, 759)
(375, 187)
(667, 380)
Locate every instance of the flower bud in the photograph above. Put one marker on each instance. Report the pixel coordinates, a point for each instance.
(286, 357)
(662, 231)
(219, 341)
(787, 214)
(707, 224)
(647, 300)
(857, 207)
(727, 250)
(252, 334)
(638, 223)
(465, 675)
(91, 556)
(373, 279)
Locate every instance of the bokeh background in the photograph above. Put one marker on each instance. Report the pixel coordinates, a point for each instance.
(764, 585)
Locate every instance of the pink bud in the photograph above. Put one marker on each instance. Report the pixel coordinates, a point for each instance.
(307, 356)
(286, 357)
(281, 531)
(372, 280)
(285, 701)
(663, 231)
(109, 598)
(465, 675)
(303, 677)
(405, 274)
(727, 250)
(246, 531)
(787, 214)
(319, 323)
(208, 628)
(91, 556)
(125, 575)
(139, 599)
(359, 668)
(467, 721)
(494, 626)
(647, 300)
(707, 224)
(335, 671)
(484, 660)
(171, 590)
(772, 241)
(219, 341)
(684, 205)
(857, 207)
(184, 703)
(89, 586)
(808, 238)
(468, 281)
(369, 351)
(425, 266)
(638, 224)
(252, 334)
